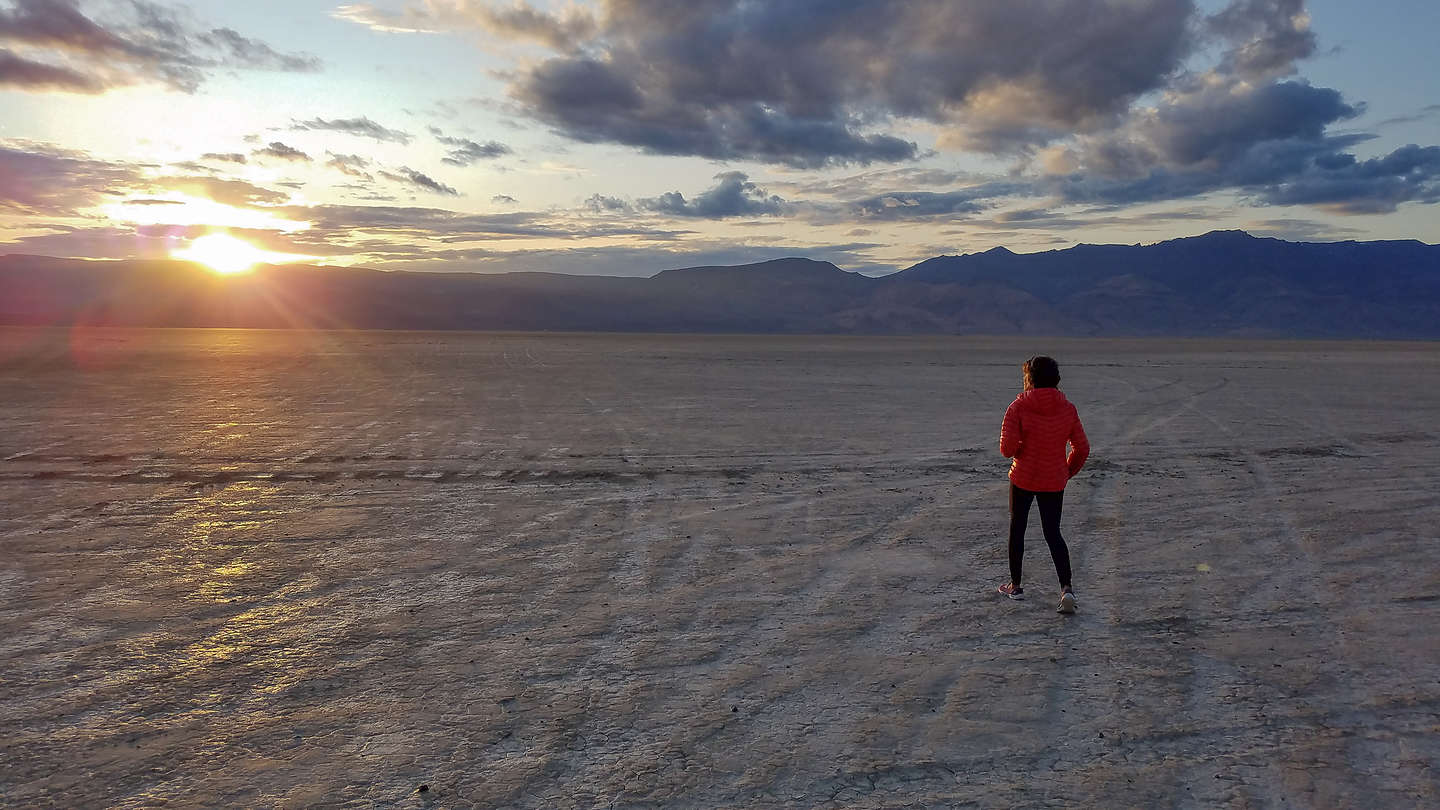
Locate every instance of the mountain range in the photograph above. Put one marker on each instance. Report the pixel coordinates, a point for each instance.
(1224, 283)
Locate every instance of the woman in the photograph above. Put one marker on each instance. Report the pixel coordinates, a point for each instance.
(1037, 427)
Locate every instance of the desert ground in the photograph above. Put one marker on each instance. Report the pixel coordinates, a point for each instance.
(271, 569)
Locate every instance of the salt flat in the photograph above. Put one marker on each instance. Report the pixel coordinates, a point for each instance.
(280, 569)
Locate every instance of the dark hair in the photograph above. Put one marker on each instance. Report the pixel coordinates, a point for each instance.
(1041, 372)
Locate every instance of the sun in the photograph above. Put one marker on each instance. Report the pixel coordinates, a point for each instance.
(224, 254)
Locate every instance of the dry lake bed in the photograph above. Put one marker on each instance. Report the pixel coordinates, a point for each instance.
(269, 569)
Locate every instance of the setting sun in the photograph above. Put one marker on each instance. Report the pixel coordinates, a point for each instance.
(224, 254)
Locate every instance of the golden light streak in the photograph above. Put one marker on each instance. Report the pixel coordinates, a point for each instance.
(227, 255)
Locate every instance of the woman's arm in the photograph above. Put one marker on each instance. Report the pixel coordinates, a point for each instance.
(1010, 432)
(1079, 448)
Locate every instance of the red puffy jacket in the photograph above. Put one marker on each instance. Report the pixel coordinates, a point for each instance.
(1037, 426)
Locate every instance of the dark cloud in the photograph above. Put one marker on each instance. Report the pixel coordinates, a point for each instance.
(875, 182)
(1267, 140)
(254, 54)
(503, 199)
(23, 74)
(919, 204)
(808, 83)
(1029, 220)
(409, 177)
(811, 84)
(1424, 113)
(601, 203)
(464, 151)
(279, 150)
(352, 165)
(1302, 230)
(48, 180)
(1349, 186)
(123, 44)
(592, 102)
(36, 179)
(957, 203)
(1212, 129)
(361, 126)
(66, 241)
(224, 157)
(1266, 37)
(732, 196)
(1024, 215)
(1239, 126)
(1288, 172)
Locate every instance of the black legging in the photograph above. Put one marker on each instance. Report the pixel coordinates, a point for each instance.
(1050, 505)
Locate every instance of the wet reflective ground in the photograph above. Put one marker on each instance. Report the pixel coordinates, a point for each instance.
(279, 569)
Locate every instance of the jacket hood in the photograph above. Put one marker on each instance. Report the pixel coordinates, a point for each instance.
(1043, 400)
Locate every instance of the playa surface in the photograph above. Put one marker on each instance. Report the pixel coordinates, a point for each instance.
(281, 569)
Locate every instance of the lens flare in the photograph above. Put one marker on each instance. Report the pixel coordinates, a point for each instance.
(224, 254)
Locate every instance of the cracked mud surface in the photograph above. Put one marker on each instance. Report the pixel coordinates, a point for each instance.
(268, 569)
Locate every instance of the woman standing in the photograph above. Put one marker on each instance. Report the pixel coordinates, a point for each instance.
(1038, 425)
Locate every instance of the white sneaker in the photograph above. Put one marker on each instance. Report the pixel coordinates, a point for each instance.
(1067, 603)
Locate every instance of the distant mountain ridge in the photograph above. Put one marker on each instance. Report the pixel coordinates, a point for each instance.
(1221, 283)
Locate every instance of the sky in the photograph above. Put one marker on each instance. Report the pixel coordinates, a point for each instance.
(625, 137)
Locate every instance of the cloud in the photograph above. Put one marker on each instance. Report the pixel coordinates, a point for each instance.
(875, 181)
(406, 227)
(1241, 126)
(1267, 139)
(352, 165)
(563, 31)
(409, 177)
(1282, 172)
(98, 243)
(1041, 219)
(1341, 183)
(1266, 37)
(39, 179)
(1302, 230)
(361, 126)
(254, 54)
(732, 196)
(279, 150)
(147, 241)
(503, 199)
(51, 45)
(808, 84)
(1214, 124)
(229, 192)
(225, 157)
(956, 203)
(629, 261)
(593, 102)
(1422, 114)
(465, 151)
(600, 203)
(1113, 102)
(24, 74)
